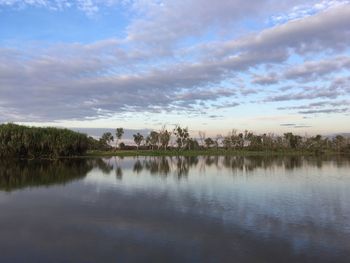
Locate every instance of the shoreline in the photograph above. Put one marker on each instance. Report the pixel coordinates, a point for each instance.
(184, 153)
(208, 152)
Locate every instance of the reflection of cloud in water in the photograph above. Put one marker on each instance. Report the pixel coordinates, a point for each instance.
(301, 199)
(252, 209)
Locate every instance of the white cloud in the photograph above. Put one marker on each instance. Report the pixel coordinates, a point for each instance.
(90, 7)
(307, 9)
(79, 81)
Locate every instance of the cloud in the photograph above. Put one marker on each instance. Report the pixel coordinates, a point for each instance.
(319, 104)
(307, 9)
(164, 23)
(302, 126)
(316, 69)
(308, 93)
(327, 111)
(295, 126)
(320, 107)
(89, 7)
(287, 124)
(115, 76)
(269, 79)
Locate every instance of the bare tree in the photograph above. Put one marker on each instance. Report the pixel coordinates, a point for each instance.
(138, 138)
(119, 134)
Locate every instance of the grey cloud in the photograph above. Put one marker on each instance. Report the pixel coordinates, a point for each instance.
(215, 116)
(316, 69)
(248, 91)
(226, 105)
(326, 111)
(320, 107)
(266, 80)
(287, 124)
(302, 126)
(90, 7)
(302, 36)
(295, 126)
(168, 21)
(319, 104)
(79, 81)
(200, 94)
(307, 94)
(61, 88)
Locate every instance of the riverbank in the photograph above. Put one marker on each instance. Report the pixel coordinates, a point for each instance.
(205, 152)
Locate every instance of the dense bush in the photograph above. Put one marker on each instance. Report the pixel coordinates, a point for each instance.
(18, 174)
(32, 142)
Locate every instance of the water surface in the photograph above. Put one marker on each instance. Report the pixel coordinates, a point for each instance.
(179, 209)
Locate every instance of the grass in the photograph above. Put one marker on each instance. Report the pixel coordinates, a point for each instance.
(205, 152)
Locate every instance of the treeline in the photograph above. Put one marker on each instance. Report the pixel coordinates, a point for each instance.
(32, 142)
(179, 138)
(18, 174)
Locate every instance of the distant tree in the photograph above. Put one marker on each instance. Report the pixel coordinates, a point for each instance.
(227, 142)
(338, 142)
(209, 142)
(217, 141)
(293, 141)
(107, 137)
(153, 139)
(164, 138)
(182, 135)
(138, 138)
(119, 134)
(202, 136)
(121, 145)
(34, 142)
(192, 144)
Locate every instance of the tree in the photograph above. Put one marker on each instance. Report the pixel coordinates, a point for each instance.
(107, 137)
(22, 141)
(192, 144)
(217, 141)
(339, 142)
(138, 138)
(209, 142)
(119, 134)
(293, 141)
(153, 139)
(164, 138)
(202, 136)
(182, 136)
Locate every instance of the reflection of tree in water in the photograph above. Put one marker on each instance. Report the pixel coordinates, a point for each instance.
(233, 162)
(21, 174)
(293, 162)
(104, 165)
(119, 173)
(181, 165)
(158, 166)
(210, 160)
(165, 165)
(341, 160)
(138, 167)
(251, 163)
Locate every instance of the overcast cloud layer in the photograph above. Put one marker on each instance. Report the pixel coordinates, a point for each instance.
(189, 57)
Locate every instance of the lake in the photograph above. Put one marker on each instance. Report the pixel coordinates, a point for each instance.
(176, 209)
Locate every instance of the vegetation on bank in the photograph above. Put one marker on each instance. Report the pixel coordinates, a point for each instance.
(199, 152)
(19, 174)
(32, 142)
(179, 142)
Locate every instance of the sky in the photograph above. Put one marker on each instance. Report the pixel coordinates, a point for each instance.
(264, 66)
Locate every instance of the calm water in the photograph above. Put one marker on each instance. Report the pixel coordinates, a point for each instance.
(215, 209)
